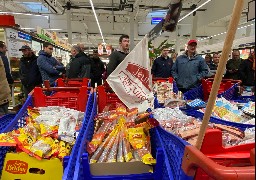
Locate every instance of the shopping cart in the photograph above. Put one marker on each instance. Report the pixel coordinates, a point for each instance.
(5, 120)
(186, 162)
(63, 96)
(200, 115)
(72, 82)
(82, 168)
(225, 85)
(217, 162)
(106, 98)
(170, 80)
(203, 91)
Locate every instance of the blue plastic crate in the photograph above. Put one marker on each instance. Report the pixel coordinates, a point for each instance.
(20, 121)
(5, 120)
(197, 93)
(174, 148)
(70, 161)
(244, 99)
(82, 168)
(200, 115)
(231, 93)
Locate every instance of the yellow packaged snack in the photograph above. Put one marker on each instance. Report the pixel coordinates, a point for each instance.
(146, 156)
(64, 149)
(41, 147)
(6, 139)
(48, 130)
(137, 137)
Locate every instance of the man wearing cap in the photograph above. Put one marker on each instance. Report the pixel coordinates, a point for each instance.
(162, 66)
(97, 69)
(189, 68)
(30, 75)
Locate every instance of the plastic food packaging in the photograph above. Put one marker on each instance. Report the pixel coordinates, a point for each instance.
(42, 147)
(146, 156)
(120, 155)
(113, 151)
(6, 139)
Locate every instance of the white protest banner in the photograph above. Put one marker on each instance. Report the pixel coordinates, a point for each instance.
(132, 80)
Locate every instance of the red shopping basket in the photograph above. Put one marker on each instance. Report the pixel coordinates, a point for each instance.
(106, 97)
(224, 85)
(72, 82)
(170, 80)
(70, 97)
(215, 161)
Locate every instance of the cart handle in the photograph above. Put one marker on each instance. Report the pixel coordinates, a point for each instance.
(193, 159)
(66, 89)
(225, 80)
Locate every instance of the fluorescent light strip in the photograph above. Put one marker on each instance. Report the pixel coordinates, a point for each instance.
(95, 15)
(224, 32)
(26, 14)
(194, 10)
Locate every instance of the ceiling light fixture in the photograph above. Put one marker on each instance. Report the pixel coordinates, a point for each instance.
(26, 14)
(194, 10)
(27, 28)
(95, 15)
(225, 32)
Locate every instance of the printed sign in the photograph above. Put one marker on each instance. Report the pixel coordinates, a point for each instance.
(132, 79)
(16, 167)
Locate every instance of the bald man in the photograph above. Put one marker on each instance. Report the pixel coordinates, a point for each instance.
(82, 47)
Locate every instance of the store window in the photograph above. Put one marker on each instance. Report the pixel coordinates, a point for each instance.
(35, 7)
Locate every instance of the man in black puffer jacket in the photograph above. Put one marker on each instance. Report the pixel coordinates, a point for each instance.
(30, 75)
(80, 67)
(97, 69)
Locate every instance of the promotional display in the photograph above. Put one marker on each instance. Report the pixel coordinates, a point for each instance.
(132, 80)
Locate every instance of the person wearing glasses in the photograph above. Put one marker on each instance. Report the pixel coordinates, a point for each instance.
(233, 66)
(162, 66)
(49, 67)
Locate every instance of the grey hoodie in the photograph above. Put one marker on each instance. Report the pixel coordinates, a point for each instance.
(188, 72)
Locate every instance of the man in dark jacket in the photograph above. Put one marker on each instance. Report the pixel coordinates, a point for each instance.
(247, 71)
(97, 69)
(80, 67)
(233, 66)
(49, 67)
(162, 66)
(119, 54)
(189, 69)
(3, 50)
(30, 75)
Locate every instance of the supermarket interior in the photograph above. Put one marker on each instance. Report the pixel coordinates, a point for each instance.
(127, 89)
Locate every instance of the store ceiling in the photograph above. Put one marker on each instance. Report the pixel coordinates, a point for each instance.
(213, 18)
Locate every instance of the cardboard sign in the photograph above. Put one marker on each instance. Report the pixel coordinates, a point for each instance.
(22, 166)
(132, 80)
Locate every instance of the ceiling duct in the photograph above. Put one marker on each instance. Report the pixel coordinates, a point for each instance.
(54, 6)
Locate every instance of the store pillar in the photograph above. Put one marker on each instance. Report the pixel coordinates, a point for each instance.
(177, 43)
(248, 31)
(132, 31)
(69, 26)
(194, 27)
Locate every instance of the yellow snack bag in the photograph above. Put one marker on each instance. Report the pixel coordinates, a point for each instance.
(48, 130)
(65, 149)
(42, 147)
(6, 139)
(137, 137)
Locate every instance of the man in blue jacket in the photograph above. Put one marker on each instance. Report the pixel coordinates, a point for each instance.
(162, 66)
(189, 69)
(49, 67)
